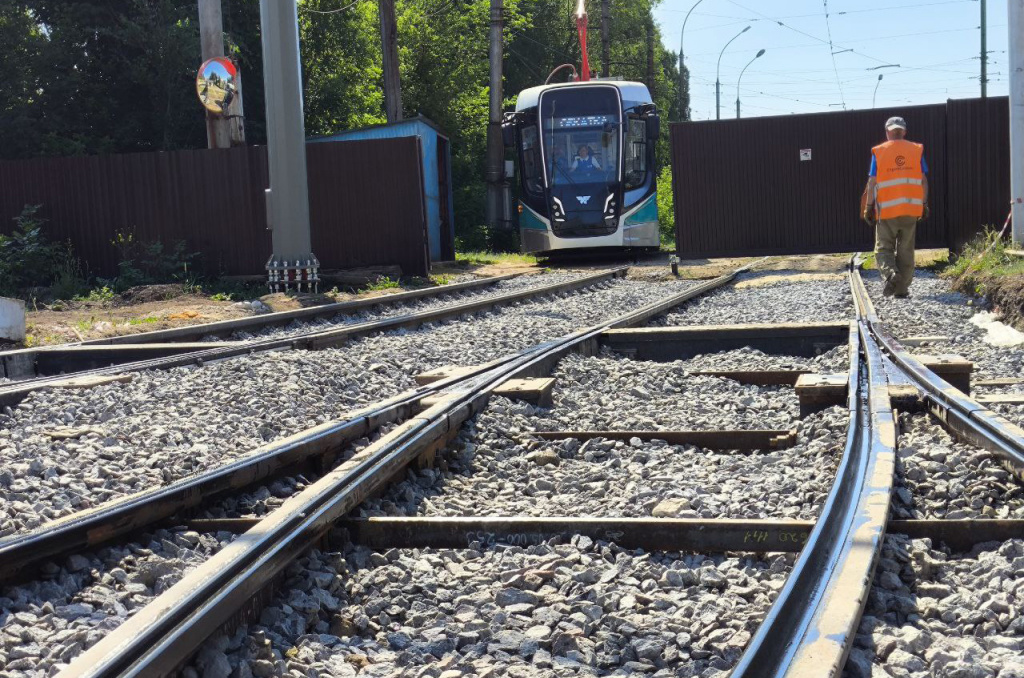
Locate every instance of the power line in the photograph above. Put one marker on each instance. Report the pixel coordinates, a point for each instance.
(832, 49)
(842, 13)
(560, 54)
(805, 33)
(303, 8)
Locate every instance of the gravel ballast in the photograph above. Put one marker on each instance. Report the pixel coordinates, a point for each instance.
(770, 297)
(48, 622)
(933, 613)
(940, 477)
(495, 472)
(934, 309)
(579, 609)
(498, 469)
(389, 310)
(164, 425)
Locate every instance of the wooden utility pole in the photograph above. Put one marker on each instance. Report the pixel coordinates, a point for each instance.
(222, 131)
(495, 146)
(389, 48)
(606, 27)
(650, 56)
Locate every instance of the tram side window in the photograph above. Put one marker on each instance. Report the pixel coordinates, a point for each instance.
(533, 178)
(636, 153)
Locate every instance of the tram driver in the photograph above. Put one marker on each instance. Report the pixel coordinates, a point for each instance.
(585, 160)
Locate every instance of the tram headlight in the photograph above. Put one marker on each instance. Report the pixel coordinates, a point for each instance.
(557, 210)
(610, 218)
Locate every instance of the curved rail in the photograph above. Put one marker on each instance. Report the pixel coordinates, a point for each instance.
(809, 629)
(956, 409)
(167, 631)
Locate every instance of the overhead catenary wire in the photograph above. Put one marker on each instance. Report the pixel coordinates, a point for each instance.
(840, 13)
(832, 49)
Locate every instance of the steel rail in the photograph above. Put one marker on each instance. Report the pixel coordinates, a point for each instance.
(809, 629)
(958, 411)
(11, 394)
(121, 516)
(223, 328)
(12, 360)
(167, 631)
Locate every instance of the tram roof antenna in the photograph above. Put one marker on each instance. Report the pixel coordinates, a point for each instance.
(581, 27)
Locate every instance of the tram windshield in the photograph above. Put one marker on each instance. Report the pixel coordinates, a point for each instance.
(580, 127)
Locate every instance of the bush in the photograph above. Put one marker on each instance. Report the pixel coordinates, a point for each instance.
(666, 211)
(147, 263)
(28, 259)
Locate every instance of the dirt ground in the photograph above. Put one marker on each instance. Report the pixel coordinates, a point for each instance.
(1005, 293)
(159, 307)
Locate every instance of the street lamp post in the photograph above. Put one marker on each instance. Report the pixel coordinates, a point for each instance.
(684, 101)
(718, 74)
(739, 79)
(880, 75)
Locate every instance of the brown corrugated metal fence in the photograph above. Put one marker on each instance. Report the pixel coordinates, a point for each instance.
(741, 187)
(366, 204)
(978, 160)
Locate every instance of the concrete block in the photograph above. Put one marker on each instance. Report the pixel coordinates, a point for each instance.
(12, 319)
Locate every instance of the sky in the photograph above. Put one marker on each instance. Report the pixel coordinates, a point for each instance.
(936, 44)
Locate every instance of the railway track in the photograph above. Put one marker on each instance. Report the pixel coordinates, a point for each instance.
(89, 362)
(253, 559)
(797, 614)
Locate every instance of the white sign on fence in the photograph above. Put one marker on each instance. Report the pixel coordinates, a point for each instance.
(805, 154)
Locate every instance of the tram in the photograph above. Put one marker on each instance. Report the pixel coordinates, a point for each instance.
(585, 157)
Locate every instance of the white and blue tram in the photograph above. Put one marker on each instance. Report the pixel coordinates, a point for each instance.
(585, 155)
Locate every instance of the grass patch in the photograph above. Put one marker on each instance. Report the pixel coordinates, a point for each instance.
(143, 321)
(482, 258)
(442, 279)
(381, 283)
(98, 294)
(985, 255)
(985, 269)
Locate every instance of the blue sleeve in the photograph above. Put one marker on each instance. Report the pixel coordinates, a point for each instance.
(924, 165)
(873, 170)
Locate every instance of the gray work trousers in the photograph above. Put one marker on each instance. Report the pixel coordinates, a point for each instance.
(894, 251)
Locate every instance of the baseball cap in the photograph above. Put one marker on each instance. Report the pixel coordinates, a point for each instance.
(896, 122)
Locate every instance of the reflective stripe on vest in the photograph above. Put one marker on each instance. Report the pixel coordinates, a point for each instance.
(899, 188)
(899, 201)
(898, 182)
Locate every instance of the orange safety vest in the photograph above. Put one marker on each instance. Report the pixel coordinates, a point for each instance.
(899, 187)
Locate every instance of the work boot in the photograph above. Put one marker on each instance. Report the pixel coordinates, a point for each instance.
(902, 295)
(888, 290)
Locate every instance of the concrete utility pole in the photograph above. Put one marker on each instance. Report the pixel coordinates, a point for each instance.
(495, 146)
(389, 48)
(222, 131)
(606, 27)
(650, 56)
(292, 260)
(1016, 55)
(984, 51)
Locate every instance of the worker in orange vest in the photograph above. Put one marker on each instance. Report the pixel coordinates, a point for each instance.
(897, 198)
